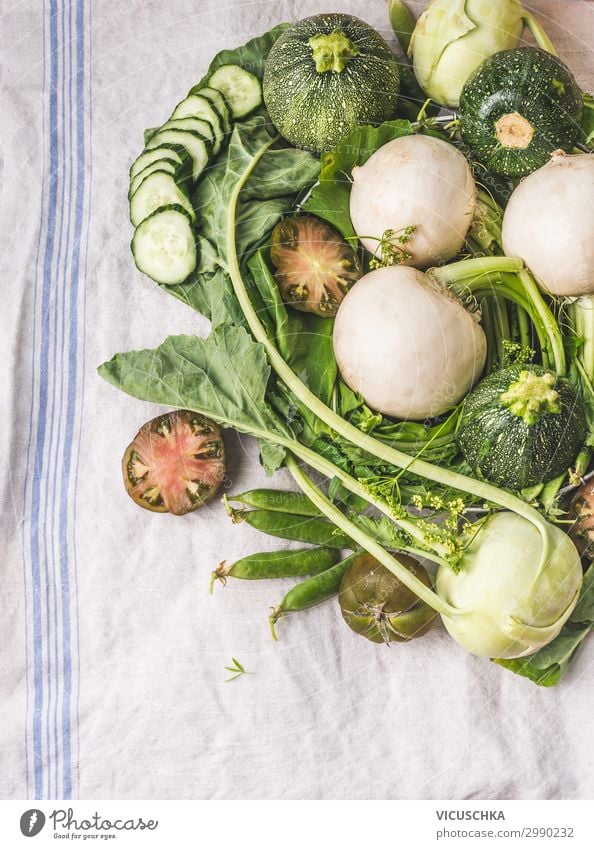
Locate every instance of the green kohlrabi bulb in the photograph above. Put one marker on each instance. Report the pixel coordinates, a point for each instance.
(453, 37)
(509, 603)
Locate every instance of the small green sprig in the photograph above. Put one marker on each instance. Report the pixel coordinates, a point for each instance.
(392, 246)
(388, 489)
(448, 534)
(237, 669)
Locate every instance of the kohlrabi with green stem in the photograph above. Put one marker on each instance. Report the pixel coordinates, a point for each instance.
(502, 602)
(453, 37)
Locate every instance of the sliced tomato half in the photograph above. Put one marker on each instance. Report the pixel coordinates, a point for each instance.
(175, 463)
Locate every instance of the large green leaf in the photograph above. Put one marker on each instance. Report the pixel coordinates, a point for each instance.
(223, 377)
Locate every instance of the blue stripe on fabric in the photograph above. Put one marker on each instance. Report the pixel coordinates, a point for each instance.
(67, 179)
(54, 435)
(41, 422)
(30, 432)
(71, 402)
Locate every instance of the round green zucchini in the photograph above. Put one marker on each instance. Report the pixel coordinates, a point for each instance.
(521, 426)
(517, 108)
(325, 75)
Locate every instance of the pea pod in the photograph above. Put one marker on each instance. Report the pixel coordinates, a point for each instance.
(312, 591)
(277, 500)
(277, 564)
(313, 530)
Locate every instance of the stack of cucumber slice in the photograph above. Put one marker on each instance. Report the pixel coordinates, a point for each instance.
(175, 156)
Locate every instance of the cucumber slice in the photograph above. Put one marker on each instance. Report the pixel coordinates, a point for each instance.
(165, 165)
(197, 147)
(240, 88)
(164, 247)
(157, 190)
(159, 153)
(217, 100)
(198, 126)
(197, 106)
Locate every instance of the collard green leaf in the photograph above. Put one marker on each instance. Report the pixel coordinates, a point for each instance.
(548, 665)
(330, 197)
(584, 609)
(223, 377)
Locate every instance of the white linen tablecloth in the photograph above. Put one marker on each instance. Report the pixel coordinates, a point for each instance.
(112, 679)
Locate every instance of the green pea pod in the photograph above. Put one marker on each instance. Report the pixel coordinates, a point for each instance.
(277, 500)
(313, 530)
(312, 591)
(277, 564)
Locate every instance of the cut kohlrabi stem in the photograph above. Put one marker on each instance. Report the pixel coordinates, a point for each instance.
(446, 477)
(338, 518)
(402, 21)
(540, 36)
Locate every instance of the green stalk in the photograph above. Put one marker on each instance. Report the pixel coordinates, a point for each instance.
(525, 339)
(464, 269)
(513, 296)
(547, 319)
(582, 315)
(519, 287)
(327, 468)
(488, 327)
(338, 518)
(446, 477)
(537, 30)
(502, 332)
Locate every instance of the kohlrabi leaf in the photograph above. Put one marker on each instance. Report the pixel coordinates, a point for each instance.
(548, 665)
(223, 377)
(270, 192)
(330, 197)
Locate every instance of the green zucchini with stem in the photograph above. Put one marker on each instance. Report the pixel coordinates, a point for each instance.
(522, 426)
(325, 75)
